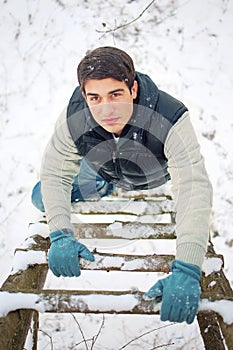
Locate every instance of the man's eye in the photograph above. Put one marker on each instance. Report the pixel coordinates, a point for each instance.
(116, 94)
(94, 98)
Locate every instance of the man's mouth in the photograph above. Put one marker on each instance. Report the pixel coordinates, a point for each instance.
(110, 121)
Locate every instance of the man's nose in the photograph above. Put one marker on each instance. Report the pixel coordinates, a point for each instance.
(107, 109)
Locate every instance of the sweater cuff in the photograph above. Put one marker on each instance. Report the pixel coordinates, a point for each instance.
(191, 253)
(58, 222)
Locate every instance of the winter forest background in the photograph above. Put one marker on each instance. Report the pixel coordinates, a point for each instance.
(184, 45)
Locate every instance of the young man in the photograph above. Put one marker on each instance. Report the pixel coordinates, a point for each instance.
(120, 130)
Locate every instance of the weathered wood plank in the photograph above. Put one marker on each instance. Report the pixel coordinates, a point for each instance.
(210, 330)
(215, 284)
(134, 207)
(63, 301)
(35, 327)
(86, 301)
(125, 231)
(155, 193)
(122, 262)
(117, 262)
(14, 327)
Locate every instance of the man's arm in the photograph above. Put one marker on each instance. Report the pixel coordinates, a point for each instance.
(192, 191)
(59, 166)
(180, 291)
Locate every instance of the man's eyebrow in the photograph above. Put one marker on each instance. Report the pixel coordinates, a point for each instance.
(109, 93)
(92, 94)
(116, 90)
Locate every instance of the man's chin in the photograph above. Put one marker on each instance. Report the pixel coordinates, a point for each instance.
(114, 129)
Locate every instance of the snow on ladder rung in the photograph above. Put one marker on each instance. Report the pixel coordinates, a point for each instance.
(25, 257)
(34, 252)
(88, 301)
(122, 262)
(155, 193)
(125, 230)
(63, 301)
(124, 207)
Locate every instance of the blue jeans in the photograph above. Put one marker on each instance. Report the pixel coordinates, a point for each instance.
(87, 185)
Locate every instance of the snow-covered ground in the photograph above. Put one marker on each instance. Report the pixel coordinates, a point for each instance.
(186, 47)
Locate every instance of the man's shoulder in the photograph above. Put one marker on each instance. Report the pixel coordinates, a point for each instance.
(76, 102)
(168, 104)
(160, 101)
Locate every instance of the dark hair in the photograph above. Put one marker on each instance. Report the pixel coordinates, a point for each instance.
(106, 62)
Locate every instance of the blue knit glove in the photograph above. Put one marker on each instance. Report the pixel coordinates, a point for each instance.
(64, 252)
(180, 293)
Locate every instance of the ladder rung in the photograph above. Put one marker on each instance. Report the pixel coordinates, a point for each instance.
(86, 301)
(125, 230)
(124, 207)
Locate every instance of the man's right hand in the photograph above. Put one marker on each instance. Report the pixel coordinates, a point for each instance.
(64, 253)
(180, 293)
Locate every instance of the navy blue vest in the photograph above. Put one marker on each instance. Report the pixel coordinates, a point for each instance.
(137, 160)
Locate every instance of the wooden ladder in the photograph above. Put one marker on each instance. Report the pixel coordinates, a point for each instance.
(134, 216)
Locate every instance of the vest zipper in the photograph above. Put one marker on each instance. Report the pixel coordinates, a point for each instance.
(115, 159)
(116, 163)
(114, 156)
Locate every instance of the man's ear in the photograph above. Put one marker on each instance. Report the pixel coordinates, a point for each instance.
(84, 95)
(134, 89)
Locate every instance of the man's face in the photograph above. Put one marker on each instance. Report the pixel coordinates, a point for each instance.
(110, 102)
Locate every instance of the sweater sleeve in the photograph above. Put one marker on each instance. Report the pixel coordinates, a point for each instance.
(60, 164)
(192, 191)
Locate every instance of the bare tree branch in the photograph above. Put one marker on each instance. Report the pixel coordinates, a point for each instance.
(97, 335)
(93, 339)
(51, 340)
(82, 341)
(127, 23)
(162, 346)
(148, 332)
(80, 329)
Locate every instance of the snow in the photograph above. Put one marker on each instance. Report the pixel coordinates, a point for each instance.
(23, 259)
(38, 228)
(186, 47)
(14, 301)
(223, 307)
(99, 303)
(115, 302)
(211, 265)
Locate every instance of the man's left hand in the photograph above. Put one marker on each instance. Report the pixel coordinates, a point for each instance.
(180, 293)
